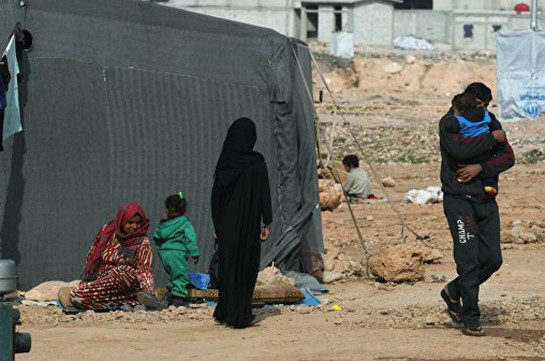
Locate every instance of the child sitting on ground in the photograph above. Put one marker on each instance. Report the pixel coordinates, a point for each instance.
(471, 121)
(357, 184)
(176, 241)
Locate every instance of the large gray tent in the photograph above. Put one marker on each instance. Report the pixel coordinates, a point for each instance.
(124, 100)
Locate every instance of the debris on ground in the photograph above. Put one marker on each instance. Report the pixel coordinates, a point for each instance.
(430, 195)
(403, 263)
(272, 276)
(412, 43)
(337, 262)
(436, 278)
(330, 194)
(393, 68)
(524, 232)
(48, 291)
(388, 182)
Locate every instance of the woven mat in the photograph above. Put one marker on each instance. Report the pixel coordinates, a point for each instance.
(267, 294)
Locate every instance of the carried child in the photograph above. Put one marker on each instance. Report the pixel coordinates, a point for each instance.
(177, 242)
(469, 120)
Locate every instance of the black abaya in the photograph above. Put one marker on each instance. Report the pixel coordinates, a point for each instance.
(241, 203)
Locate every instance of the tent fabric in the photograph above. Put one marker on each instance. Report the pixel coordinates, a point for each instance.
(520, 74)
(129, 101)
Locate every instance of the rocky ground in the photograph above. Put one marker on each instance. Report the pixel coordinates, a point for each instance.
(393, 111)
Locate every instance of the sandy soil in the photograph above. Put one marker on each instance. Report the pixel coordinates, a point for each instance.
(395, 117)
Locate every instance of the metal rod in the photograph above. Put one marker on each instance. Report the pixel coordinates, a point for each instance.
(533, 13)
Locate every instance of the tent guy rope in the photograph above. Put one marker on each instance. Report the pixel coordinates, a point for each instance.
(374, 171)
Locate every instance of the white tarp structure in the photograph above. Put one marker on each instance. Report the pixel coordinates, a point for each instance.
(521, 74)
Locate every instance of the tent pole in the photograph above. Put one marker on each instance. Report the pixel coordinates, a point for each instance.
(533, 12)
(375, 173)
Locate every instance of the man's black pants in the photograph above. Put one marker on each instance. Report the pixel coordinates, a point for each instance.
(475, 229)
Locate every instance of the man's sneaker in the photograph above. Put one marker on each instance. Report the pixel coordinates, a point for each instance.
(453, 307)
(475, 332)
(151, 301)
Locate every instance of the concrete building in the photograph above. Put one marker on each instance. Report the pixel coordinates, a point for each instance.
(459, 24)
(371, 21)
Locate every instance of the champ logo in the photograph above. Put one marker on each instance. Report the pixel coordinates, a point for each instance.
(463, 234)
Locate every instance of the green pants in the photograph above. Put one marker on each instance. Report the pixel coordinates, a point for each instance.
(175, 263)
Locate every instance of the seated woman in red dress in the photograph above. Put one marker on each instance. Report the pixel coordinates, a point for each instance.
(119, 264)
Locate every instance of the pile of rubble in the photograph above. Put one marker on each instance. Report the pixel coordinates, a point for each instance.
(338, 263)
(403, 262)
(331, 194)
(525, 232)
(272, 276)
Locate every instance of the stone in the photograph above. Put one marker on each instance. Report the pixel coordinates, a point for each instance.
(432, 320)
(402, 263)
(521, 236)
(410, 59)
(331, 194)
(439, 278)
(48, 291)
(430, 255)
(370, 218)
(330, 277)
(393, 68)
(272, 276)
(388, 182)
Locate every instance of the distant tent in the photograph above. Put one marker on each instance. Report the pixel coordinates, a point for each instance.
(123, 100)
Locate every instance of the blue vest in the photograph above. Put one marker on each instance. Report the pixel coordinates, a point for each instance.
(469, 129)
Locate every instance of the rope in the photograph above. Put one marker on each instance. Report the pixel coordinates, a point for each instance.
(375, 173)
(354, 220)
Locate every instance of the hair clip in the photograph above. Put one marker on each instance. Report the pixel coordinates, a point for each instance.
(181, 195)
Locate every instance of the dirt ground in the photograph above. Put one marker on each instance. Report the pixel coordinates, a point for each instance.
(395, 118)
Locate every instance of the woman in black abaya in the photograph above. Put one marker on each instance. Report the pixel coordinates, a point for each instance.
(241, 204)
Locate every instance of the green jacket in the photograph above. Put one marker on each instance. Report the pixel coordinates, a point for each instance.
(177, 235)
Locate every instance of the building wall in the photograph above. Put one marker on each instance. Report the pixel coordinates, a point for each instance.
(428, 24)
(480, 5)
(326, 23)
(268, 17)
(373, 24)
(230, 3)
(484, 27)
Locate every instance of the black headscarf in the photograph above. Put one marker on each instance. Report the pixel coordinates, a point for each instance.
(238, 151)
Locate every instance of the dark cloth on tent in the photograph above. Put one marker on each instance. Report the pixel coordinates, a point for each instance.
(240, 202)
(5, 78)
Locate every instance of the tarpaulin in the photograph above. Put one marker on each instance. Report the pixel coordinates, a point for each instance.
(520, 74)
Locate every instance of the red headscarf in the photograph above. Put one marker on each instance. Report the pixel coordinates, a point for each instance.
(130, 241)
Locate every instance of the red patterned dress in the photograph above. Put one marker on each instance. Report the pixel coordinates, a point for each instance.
(121, 275)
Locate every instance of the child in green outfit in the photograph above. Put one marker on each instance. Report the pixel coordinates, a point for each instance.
(176, 241)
